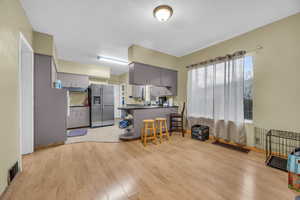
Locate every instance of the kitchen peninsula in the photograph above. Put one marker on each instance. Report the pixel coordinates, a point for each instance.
(140, 113)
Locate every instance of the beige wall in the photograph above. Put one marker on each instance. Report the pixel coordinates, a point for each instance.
(140, 54)
(43, 43)
(78, 98)
(12, 21)
(276, 71)
(86, 69)
(114, 79)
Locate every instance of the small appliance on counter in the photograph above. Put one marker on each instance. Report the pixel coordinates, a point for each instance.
(162, 101)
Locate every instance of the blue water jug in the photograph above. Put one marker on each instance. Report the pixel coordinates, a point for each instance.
(57, 84)
(294, 162)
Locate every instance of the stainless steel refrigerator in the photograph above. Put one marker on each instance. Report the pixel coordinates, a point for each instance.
(102, 105)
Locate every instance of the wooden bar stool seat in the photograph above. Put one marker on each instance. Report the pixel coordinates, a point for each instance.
(148, 131)
(161, 125)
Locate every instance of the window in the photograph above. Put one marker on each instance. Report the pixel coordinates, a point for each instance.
(222, 90)
(248, 88)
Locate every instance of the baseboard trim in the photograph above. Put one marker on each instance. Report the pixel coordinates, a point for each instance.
(213, 138)
(48, 146)
(2, 195)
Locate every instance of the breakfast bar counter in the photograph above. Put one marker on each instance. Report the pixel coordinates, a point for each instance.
(140, 113)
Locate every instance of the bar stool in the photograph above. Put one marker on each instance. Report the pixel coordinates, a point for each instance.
(148, 131)
(161, 124)
(177, 121)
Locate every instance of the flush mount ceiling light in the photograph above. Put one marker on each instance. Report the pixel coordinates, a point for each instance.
(163, 13)
(112, 60)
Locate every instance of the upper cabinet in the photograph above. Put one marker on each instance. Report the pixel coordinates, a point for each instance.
(142, 74)
(73, 80)
(174, 81)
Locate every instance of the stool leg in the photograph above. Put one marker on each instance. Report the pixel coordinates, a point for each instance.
(154, 133)
(167, 131)
(145, 134)
(157, 125)
(142, 133)
(160, 131)
(182, 127)
(171, 125)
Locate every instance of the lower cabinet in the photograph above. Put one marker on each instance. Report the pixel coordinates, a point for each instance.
(79, 117)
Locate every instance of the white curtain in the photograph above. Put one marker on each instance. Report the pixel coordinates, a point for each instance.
(216, 92)
(200, 89)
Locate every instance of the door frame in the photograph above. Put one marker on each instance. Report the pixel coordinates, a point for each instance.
(23, 41)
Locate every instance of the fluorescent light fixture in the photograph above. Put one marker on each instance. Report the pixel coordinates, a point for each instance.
(112, 60)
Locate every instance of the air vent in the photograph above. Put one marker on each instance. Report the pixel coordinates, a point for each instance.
(13, 172)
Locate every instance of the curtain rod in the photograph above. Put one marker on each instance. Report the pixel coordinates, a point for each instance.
(258, 47)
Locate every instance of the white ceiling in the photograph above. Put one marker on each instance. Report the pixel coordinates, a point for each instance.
(84, 29)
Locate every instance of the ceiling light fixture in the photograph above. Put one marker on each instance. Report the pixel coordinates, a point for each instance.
(163, 13)
(112, 60)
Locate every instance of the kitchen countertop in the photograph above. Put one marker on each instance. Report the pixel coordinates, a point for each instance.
(144, 107)
(78, 106)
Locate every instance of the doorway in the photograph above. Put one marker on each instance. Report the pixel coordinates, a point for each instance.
(26, 97)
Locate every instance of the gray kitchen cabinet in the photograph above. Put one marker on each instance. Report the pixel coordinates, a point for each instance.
(142, 74)
(73, 80)
(50, 105)
(169, 81)
(174, 82)
(166, 77)
(154, 76)
(137, 74)
(79, 117)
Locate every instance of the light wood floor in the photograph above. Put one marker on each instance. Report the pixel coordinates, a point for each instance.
(182, 169)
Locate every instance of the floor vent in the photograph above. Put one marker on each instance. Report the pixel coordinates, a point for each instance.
(13, 172)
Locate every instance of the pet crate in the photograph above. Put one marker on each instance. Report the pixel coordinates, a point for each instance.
(279, 144)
